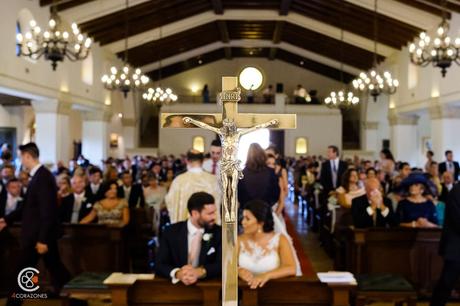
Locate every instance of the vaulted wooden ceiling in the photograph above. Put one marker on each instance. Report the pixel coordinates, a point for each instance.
(355, 19)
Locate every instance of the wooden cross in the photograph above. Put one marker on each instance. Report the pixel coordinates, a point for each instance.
(230, 126)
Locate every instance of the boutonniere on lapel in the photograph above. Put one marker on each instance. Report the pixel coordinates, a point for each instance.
(20, 199)
(207, 237)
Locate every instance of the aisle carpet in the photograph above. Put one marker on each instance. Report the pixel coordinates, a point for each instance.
(305, 263)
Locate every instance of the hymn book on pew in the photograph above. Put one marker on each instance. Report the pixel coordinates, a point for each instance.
(337, 277)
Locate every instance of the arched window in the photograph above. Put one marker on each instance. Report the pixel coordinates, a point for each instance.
(198, 143)
(301, 145)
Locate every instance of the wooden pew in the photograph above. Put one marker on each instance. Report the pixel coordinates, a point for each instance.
(93, 247)
(127, 290)
(412, 253)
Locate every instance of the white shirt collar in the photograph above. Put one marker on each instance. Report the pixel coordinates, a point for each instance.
(34, 170)
(79, 195)
(10, 197)
(192, 229)
(195, 170)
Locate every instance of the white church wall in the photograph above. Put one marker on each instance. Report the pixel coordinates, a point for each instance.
(320, 125)
(19, 117)
(37, 77)
(76, 83)
(273, 72)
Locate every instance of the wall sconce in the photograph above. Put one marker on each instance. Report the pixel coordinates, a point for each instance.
(114, 140)
(198, 143)
(301, 145)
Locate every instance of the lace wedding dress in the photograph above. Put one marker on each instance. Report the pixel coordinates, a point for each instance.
(258, 260)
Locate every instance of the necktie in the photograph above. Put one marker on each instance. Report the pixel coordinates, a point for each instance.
(334, 174)
(76, 210)
(194, 251)
(214, 165)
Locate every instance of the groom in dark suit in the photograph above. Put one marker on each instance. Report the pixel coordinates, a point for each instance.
(192, 249)
(40, 223)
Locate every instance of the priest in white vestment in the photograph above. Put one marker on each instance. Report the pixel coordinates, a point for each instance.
(186, 184)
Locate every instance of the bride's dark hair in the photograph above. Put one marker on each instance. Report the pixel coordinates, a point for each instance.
(262, 212)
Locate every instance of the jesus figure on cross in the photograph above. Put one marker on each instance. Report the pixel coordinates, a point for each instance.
(230, 165)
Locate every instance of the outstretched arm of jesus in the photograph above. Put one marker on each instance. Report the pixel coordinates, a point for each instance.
(201, 124)
(260, 126)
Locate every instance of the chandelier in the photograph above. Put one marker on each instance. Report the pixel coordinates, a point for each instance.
(159, 95)
(341, 99)
(125, 79)
(55, 43)
(376, 84)
(373, 82)
(440, 52)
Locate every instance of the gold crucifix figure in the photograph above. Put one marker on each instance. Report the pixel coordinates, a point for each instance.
(230, 126)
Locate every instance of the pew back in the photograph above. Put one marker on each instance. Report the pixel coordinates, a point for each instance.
(290, 291)
(412, 253)
(92, 247)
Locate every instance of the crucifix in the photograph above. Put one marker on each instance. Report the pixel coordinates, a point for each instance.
(230, 126)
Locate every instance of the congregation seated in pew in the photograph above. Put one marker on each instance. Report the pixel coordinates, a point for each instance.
(111, 210)
(416, 209)
(75, 206)
(10, 199)
(372, 209)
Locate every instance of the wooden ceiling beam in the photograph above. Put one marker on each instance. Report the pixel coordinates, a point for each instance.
(280, 54)
(433, 6)
(278, 32)
(228, 53)
(357, 20)
(223, 30)
(141, 18)
(62, 5)
(329, 47)
(284, 7)
(217, 6)
(272, 54)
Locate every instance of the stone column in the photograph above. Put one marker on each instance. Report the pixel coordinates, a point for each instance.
(445, 125)
(404, 137)
(95, 136)
(370, 139)
(52, 130)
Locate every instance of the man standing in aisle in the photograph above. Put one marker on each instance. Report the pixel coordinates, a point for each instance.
(186, 184)
(212, 165)
(40, 223)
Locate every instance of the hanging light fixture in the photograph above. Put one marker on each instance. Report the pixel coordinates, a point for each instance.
(342, 98)
(125, 79)
(440, 52)
(159, 95)
(373, 82)
(55, 43)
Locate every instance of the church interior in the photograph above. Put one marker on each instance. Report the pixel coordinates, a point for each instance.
(230, 152)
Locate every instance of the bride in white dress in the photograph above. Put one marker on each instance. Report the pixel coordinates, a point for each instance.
(262, 253)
